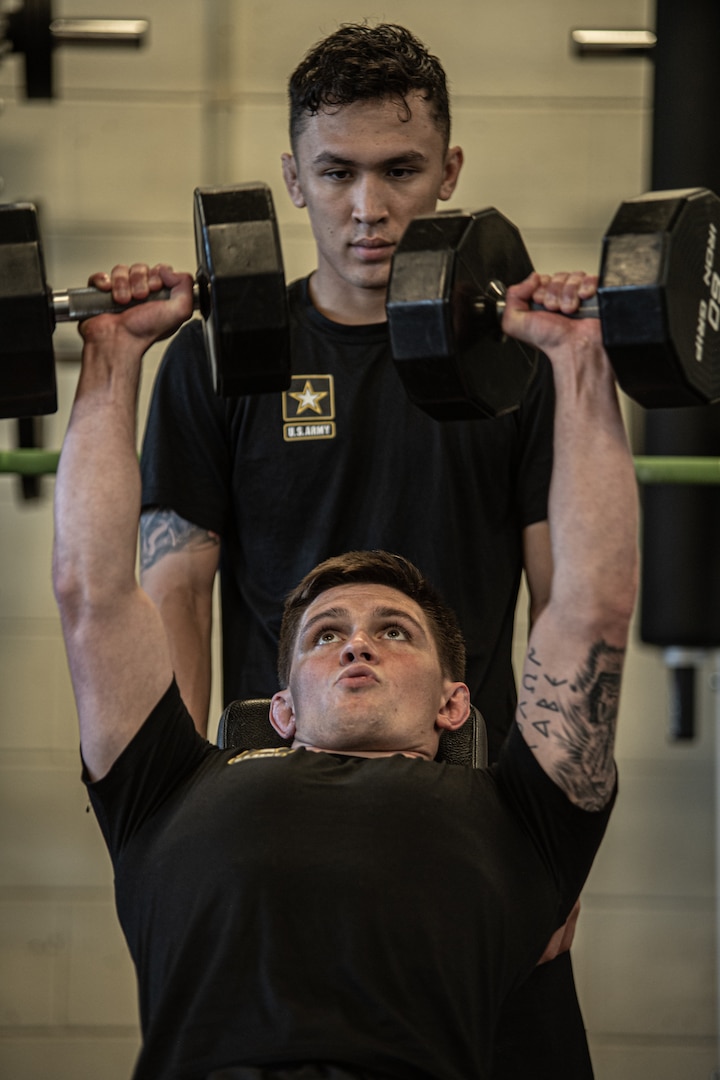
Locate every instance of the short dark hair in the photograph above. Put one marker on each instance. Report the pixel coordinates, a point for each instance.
(366, 63)
(374, 568)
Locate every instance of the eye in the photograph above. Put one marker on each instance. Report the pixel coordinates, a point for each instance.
(337, 174)
(401, 172)
(396, 633)
(326, 637)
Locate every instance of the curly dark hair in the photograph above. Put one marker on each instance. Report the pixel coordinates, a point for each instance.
(374, 568)
(365, 63)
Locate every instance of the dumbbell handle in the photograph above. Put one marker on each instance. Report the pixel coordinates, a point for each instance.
(72, 305)
(493, 304)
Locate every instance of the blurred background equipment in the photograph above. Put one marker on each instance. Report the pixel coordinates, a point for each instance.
(31, 30)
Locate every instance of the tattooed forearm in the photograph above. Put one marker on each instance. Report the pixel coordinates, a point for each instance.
(164, 531)
(579, 716)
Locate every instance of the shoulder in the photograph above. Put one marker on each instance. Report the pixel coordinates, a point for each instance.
(163, 755)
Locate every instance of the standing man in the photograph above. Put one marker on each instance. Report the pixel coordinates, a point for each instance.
(288, 913)
(343, 460)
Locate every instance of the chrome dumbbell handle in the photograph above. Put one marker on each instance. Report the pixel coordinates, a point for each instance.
(73, 305)
(493, 304)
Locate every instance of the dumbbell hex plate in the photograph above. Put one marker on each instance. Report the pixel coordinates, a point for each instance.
(658, 302)
(659, 297)
(452, 360)
(27, 365)
(240, 290)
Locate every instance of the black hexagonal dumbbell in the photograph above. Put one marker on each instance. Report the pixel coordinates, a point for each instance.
(239, 289)
(658, 302)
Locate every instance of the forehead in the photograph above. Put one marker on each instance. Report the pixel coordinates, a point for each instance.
(381, 122)
(364, 600)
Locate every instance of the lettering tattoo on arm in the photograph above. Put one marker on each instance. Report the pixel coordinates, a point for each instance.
(580, 716)
(163, 532)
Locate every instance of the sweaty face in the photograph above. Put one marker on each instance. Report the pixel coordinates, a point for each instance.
(364, 171)
(366, 675)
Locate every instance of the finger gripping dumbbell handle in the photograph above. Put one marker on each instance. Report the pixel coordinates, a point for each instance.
(589, 309)
(73, 305)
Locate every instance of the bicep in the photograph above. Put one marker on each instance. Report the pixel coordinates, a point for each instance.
(176, 554)
(120, 668)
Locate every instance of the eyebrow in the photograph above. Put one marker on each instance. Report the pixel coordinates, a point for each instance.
(378, 613)
(326, 157)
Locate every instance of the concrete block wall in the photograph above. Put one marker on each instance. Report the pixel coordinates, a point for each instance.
(555, 143)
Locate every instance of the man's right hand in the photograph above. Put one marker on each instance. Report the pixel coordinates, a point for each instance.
(148, 322)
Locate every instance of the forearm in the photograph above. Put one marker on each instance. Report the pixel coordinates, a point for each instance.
(178, 564)
(97, 494)
(593, 513)
(98, 486)
(569, 691)
(191, 658)
(187, 618)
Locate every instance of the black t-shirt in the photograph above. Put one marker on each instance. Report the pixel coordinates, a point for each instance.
(344, 461)
(296, 906)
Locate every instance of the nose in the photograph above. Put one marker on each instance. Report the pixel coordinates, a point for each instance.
(369, 206)
(358, 647)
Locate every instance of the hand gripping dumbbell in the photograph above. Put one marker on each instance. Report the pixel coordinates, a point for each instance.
(239, 290)
(658, 303)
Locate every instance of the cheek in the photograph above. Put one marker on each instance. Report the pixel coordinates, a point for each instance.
(324, 217)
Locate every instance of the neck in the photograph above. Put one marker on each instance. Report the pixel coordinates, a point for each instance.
(347, 305)
(363, 753)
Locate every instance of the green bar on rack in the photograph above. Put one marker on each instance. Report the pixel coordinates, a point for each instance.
(30, 462)
(649, 470)
(677, 470)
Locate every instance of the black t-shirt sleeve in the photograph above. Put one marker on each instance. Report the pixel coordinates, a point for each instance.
(162, 754)
(186, 458)
(566, 836)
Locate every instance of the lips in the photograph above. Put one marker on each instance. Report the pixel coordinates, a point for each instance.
(357, 675)
(372, 250)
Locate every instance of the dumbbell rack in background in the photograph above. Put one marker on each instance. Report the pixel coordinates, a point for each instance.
(28, 29)
(31, 30)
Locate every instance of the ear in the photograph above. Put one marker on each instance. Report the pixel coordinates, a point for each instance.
(453, 164)
(455, 709)
(292, 181)
(282, 714)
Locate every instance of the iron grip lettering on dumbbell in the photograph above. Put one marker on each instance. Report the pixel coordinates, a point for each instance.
(708, 310)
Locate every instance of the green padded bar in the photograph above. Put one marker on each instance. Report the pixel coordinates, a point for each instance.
(678, 470)
(30, 462)
(650, 470)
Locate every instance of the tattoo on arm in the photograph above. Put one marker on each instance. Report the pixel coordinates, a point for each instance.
(164, 531)
(580, 716)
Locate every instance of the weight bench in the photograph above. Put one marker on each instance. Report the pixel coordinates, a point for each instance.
(245, 725)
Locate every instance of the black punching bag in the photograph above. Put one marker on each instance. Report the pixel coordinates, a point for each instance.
(680, 598)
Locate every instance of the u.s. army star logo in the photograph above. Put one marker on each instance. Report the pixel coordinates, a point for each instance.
(309, 408)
